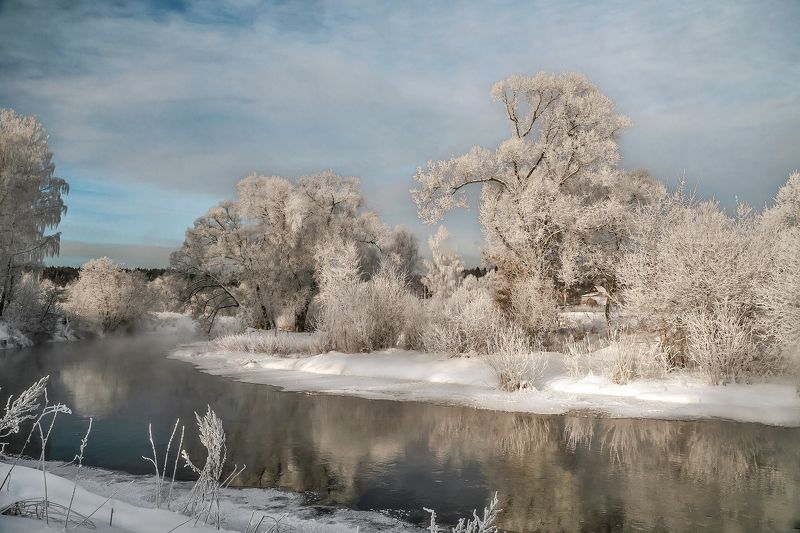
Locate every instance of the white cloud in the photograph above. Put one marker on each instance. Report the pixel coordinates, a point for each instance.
(193, 100)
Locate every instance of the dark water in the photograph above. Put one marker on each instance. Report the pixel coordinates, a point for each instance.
(553, 473)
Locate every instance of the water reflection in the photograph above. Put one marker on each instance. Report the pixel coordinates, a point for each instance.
(553, 473)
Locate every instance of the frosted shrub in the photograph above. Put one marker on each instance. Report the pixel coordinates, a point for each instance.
(465, 322)
(271, 342)
(363, 316)
(514, 360)
(624, 367)
(692, 274)
(476, 524)
(722, 345)
(778, 304)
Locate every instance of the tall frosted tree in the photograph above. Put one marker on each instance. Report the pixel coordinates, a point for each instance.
(554, 204)
(31, 201)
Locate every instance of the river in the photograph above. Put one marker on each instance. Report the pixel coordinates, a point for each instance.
(553, 473)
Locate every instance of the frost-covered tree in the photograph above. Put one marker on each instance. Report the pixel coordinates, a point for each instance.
(257, 253)
(444, 272)
(166, 291)
(30, 199)
(553, 203)
(402, 249)
(212, 260)
(106, 298)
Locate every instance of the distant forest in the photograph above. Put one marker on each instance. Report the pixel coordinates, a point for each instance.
(64, 275)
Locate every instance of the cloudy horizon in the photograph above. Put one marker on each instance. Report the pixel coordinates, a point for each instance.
(156, 109)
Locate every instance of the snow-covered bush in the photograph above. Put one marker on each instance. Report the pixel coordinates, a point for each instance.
(271, 342)
(778, 303)
(516, 362)
(106, 298)
(464, 322)
(363, 315)
(720, 344)
(692, 274)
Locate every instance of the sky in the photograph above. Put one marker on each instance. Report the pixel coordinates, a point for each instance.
(156, 109)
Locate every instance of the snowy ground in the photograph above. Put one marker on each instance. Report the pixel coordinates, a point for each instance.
(414, 376)
(134, 512)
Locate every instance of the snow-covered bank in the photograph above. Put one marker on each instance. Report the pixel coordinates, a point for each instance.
(414, 376)
(133, 510)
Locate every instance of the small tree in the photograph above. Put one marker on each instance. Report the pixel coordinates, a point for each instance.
(444, 272)
(106, 298)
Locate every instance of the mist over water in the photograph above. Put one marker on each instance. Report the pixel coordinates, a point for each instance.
(553, 473)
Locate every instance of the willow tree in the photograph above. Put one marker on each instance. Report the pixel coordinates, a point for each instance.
(553, 204)
(30, 199)
(257, 253)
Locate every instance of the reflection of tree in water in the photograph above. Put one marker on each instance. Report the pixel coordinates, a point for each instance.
(686, 475)
(95, 389)
(552, 473)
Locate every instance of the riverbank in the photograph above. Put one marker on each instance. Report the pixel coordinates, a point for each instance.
(133, 510)
(414, 376)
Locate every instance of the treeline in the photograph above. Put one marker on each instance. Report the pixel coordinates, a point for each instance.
(64, 275)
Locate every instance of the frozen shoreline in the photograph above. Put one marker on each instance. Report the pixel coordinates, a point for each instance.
(134, 512)
(414, 376)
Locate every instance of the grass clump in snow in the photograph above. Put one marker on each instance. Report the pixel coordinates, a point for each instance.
(515, 361)
(476, 524)
(273, 343)
(635, 357)
(578, 357)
